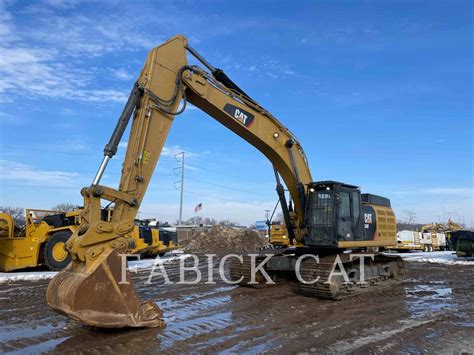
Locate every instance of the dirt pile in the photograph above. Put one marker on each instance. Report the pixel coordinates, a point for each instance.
(221, 240)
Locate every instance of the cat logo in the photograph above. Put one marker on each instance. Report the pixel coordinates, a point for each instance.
(368, 218)
(240, 116)
(244, 117)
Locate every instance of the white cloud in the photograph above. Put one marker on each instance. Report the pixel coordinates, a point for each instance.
(122, 74)
(78, 35)
(6, 117)
(103, 95)
(35, 72)
(450, 191)
(18, 172)
(71, 144)
(264, 67)
(67, 112)
(437, 191)
(42, 70)
(7, 30)
(45, 61)
(191, 107)
(66, 4)
(172, 150)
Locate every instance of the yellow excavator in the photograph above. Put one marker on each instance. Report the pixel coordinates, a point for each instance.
(327, 219)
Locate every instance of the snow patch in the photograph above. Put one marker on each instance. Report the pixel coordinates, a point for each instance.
(438, 257)
(132, 265)
(148, 263)
(26, 276)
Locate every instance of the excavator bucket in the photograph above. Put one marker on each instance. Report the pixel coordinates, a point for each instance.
(100, 296)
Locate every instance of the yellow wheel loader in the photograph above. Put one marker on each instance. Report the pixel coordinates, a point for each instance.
(41, 242)
(146, 238)
(330, 218)
(151, 241)
(279, 236)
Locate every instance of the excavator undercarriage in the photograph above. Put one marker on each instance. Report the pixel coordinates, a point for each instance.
(333, 276)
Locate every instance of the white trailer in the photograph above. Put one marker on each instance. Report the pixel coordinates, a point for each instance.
(408, 240)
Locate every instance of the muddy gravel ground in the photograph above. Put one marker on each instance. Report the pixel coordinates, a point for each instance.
(432, 312)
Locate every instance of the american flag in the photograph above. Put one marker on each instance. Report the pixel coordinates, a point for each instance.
(198, 207)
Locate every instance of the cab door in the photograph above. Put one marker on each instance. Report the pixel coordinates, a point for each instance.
(344, 216)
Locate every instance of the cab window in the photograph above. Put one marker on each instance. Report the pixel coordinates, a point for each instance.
(344, 204)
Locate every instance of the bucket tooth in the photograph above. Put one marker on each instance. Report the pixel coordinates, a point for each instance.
(96, 296)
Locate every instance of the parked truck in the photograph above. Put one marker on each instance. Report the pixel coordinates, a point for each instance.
(408, 240)
(422, 241)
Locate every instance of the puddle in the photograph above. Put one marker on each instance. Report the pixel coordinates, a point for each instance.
(466, 324)
(425, 299)
(39, 348)
(8, 334)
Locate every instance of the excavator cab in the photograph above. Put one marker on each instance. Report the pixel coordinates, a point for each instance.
(338, 216)
(332, 214)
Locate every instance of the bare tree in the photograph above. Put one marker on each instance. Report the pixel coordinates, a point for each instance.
(17, 213)
(209, 221)
(410, 216)
(64, 207)
(228, 223)
(194, 220)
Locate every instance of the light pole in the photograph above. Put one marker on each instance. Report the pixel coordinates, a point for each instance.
(267, 214)
(180, 219)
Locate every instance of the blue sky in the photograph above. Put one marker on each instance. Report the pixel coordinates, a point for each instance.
(378, 92)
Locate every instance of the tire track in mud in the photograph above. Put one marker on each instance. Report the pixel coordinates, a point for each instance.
(204, 314)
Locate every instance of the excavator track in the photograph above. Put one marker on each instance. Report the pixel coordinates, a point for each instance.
(384, 271)
(242, 272)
